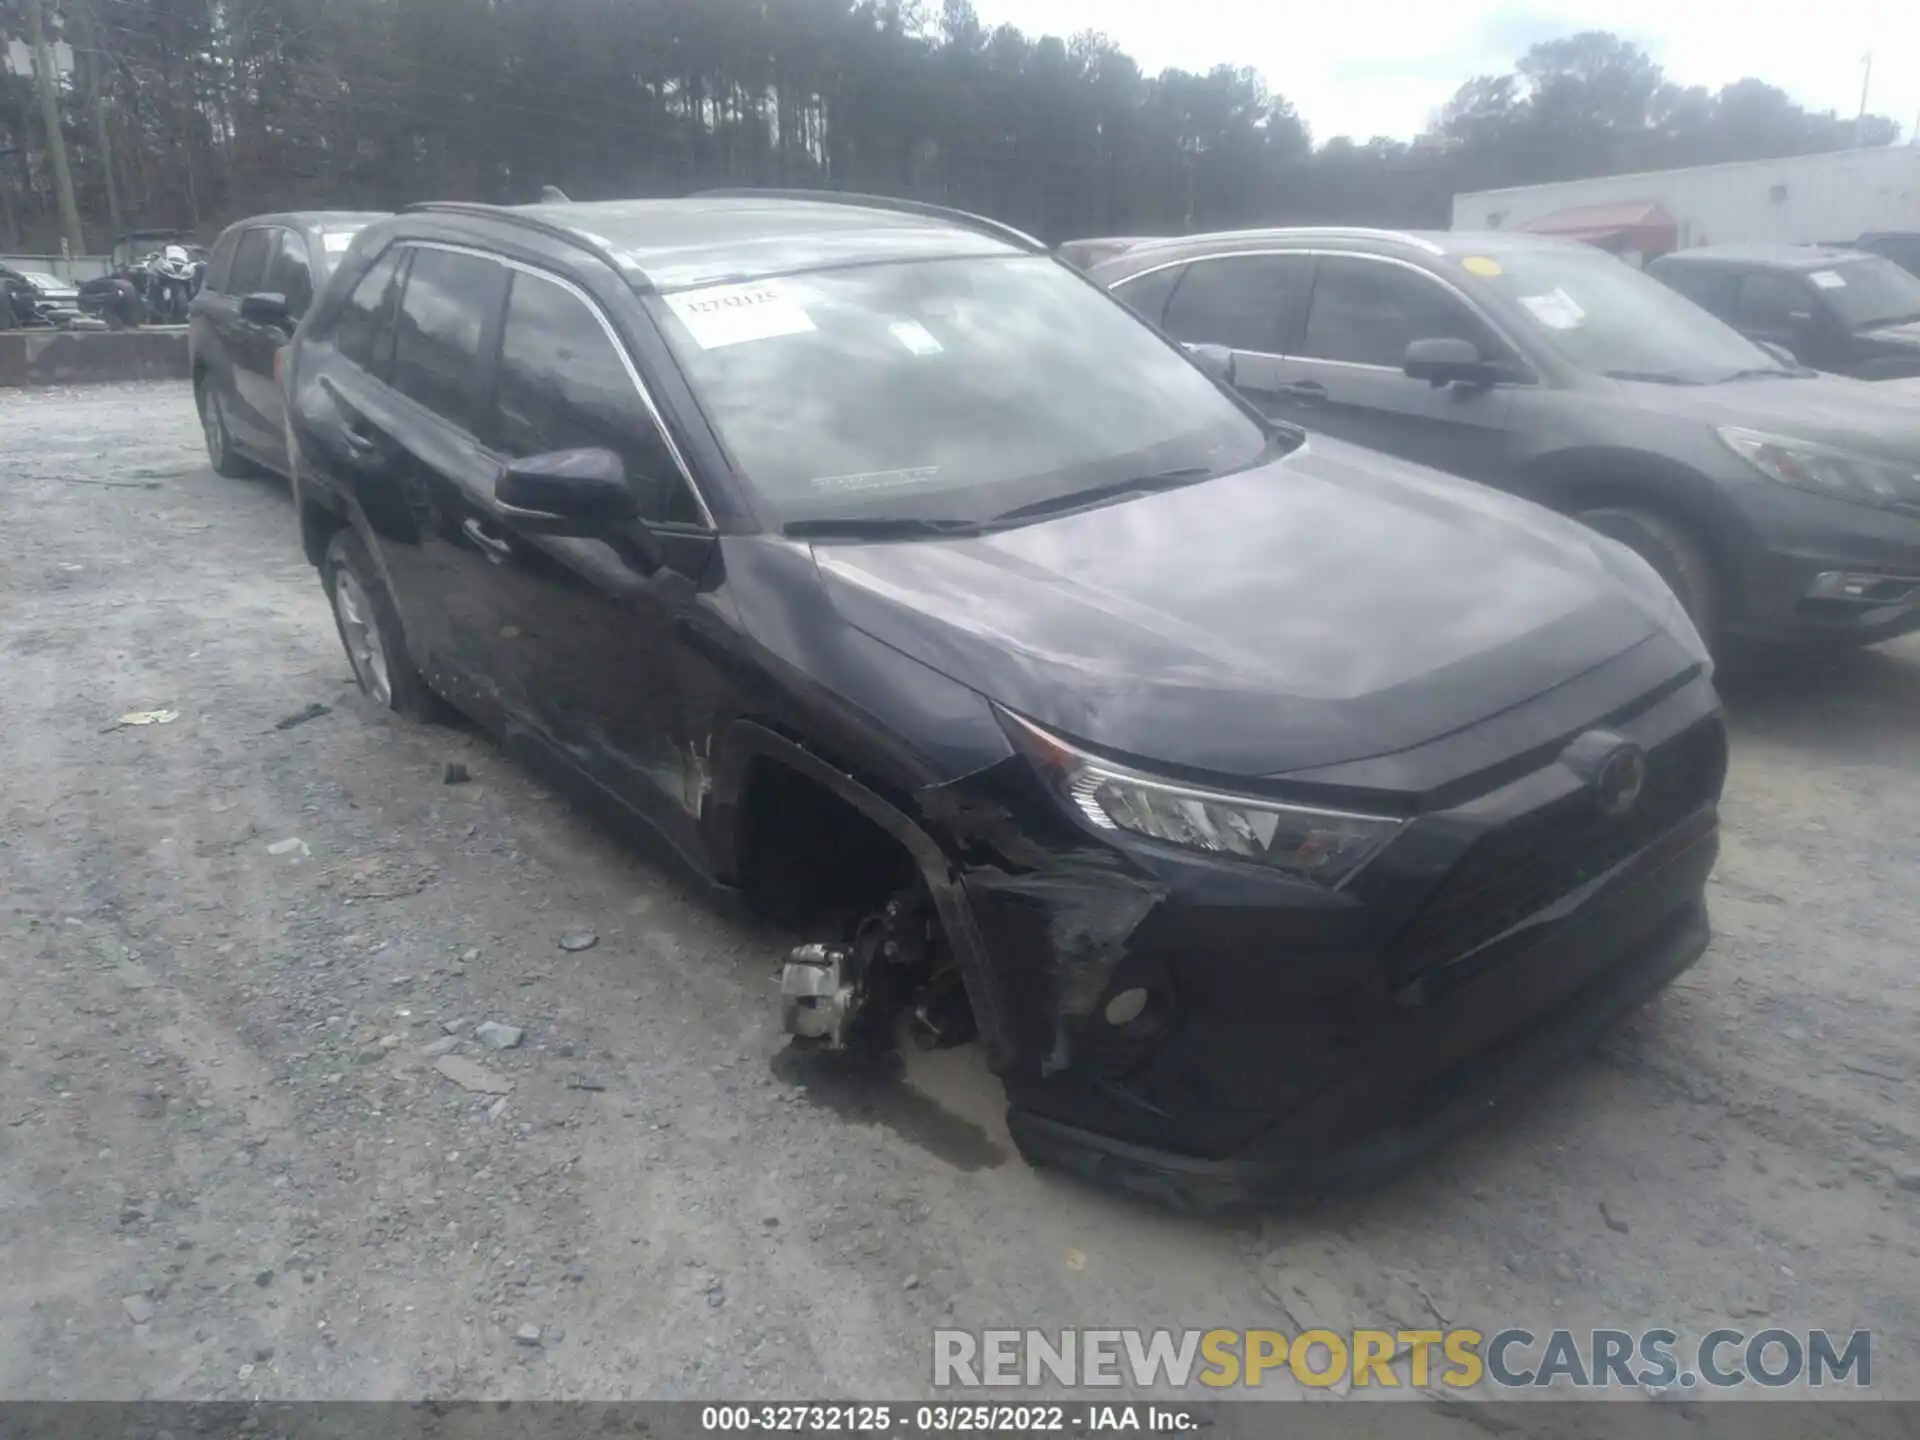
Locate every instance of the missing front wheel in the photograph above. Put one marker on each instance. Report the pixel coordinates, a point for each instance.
(852, 995)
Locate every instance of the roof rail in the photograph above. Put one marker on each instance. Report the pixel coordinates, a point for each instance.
(884, 202)
(514, 215)
(1356, 232)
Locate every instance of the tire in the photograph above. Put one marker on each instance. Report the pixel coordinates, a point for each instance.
(370, 632)
(221, 454)
(1675, 555)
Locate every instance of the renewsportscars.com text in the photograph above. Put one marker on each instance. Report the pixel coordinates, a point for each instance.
(1459, 1358)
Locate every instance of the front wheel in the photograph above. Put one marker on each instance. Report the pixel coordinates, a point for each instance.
(1676, 556)
(370, 631)
(221, 454)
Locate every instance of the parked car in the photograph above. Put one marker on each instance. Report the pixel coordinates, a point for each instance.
(1264, 805)
(1782, 507)
(36, 298)
(1836, 310)
(259, 281)
(1900, 246)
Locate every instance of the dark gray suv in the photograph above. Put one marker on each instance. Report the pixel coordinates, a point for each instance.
(1782, 506)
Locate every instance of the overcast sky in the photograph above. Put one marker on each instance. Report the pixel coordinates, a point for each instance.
(1380, 67)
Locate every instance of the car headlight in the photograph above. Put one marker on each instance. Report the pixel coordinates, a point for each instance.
(1824, 469)
(1327, 846)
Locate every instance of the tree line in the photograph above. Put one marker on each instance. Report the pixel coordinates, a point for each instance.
(192, 113)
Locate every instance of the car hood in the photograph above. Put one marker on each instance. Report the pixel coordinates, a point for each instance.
(1330, 606)
(1878, 416)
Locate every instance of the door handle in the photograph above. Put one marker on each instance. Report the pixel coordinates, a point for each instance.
(360, 436)
(1307, 392)
(495, 549)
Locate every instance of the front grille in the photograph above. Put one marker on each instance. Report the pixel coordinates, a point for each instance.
(1510, 873)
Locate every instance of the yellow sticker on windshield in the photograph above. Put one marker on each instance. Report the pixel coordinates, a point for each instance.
(1484, 265)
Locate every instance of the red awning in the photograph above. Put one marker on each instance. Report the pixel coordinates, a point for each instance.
(1629, 225)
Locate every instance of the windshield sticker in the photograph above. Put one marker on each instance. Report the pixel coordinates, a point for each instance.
(875, 479)
(1556, 309)
(1828, 280)
(913, 335)
(1483, 265)
(336, 241)
(720, 315)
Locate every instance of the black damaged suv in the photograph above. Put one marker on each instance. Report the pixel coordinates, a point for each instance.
(1265, 805)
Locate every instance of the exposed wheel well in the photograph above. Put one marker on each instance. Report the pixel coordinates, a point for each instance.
(1572, 496)
(318, 525)
(809, 858)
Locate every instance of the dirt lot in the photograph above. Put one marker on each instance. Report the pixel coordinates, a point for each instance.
(229, 1166)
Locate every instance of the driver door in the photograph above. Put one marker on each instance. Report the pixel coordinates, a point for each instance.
(1342, 376)
(600, 646)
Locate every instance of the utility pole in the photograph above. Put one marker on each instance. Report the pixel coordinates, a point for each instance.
(1866, 83)
(50, 112)
(96, 76)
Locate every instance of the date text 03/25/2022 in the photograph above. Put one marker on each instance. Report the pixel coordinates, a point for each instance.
(939, 1419)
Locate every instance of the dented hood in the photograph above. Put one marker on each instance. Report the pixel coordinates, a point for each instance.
(1327, 607)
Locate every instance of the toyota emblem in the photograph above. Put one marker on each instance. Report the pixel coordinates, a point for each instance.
(1617, 785)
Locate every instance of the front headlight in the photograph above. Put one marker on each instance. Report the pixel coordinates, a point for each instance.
(1825, 470)
(1327, 846)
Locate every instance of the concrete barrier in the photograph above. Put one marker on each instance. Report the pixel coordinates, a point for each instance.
(91, 357)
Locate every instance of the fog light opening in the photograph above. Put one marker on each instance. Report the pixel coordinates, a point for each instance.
(1126, 1007)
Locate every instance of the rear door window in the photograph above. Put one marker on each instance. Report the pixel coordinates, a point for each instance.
(564, 384)
(448, 304)
(288, 272)
(1247, 302)
(1366, 312)
(1148, 294)
(1770, 302)
(250, 261)
(364, 330)
(1711, 289)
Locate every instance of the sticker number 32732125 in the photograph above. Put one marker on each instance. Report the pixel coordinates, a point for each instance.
(720, 315)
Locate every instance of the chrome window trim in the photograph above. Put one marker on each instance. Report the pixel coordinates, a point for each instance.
(1440, 280)
(613, 337)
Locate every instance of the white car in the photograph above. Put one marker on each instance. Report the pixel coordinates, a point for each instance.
(53, 290)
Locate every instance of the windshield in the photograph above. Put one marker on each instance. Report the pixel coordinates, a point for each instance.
(944, 389)
(1601, 314)
(1866, 293)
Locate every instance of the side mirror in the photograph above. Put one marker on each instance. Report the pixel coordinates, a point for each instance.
(266, 308)
(1216, 360)
(567, 492)
(1443, 361)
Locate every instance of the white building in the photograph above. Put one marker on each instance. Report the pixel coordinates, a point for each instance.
(1799, 200)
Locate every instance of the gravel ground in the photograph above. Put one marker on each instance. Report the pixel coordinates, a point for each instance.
(231, 1165)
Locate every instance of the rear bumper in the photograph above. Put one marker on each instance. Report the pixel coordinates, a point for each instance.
(1471, 1044)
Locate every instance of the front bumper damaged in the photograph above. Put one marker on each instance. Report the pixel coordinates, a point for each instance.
(1207, 1032)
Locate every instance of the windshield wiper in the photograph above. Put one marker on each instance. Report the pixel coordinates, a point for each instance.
(1652, 377)
(879, 527)
(1102, 494)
